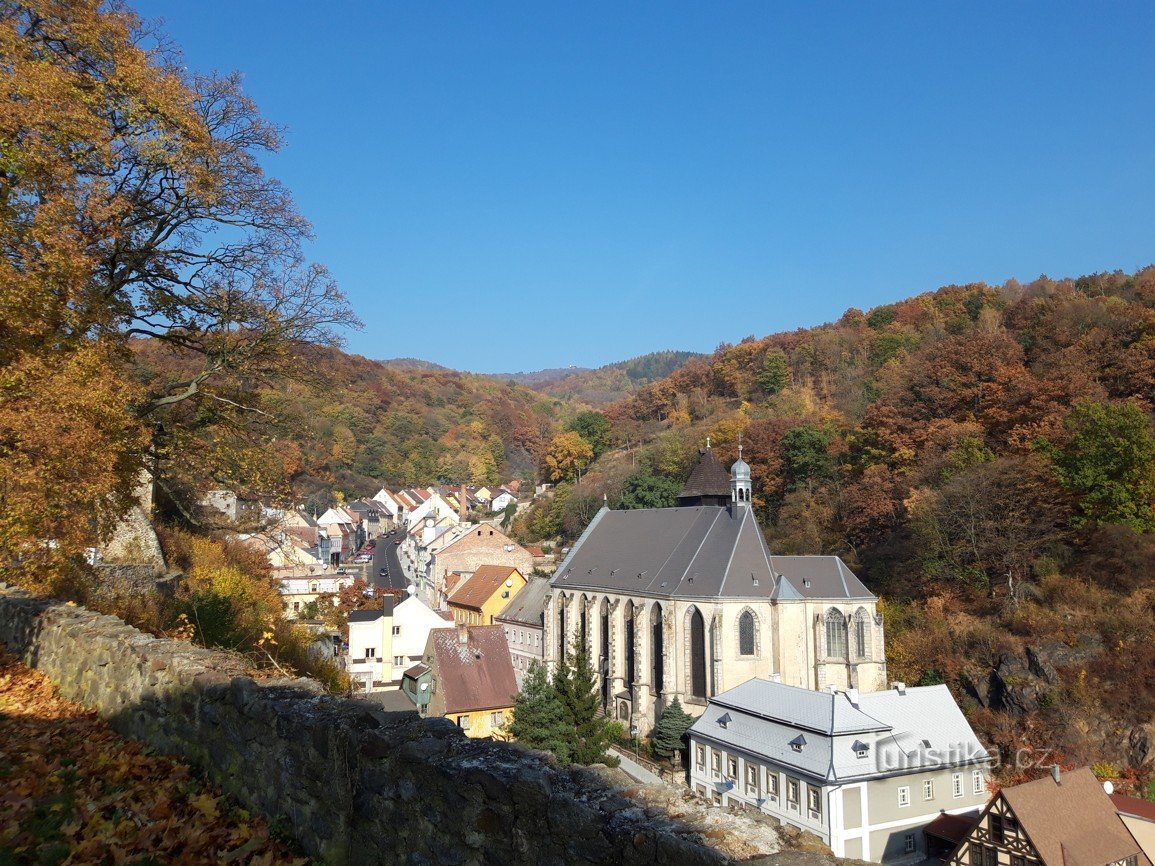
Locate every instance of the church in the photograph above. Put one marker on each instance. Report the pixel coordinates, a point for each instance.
(689, 602)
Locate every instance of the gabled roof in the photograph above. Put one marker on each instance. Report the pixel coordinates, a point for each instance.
(1133, 807)
(920, 729)
(473, 668)
(704, 551)
(481, 586)
(528, 606)
(1072, 822)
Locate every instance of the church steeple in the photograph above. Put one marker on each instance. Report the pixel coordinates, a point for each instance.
(740, 481)
(707, 484)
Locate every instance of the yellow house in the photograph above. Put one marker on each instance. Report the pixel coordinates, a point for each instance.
(471, 679)
(482, 596)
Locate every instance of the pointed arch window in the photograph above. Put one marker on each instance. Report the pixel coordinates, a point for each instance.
(697, 655)
(746, 633)
(861, 635)
(835, 634)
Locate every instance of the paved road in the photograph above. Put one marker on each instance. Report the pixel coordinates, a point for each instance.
(385, 557)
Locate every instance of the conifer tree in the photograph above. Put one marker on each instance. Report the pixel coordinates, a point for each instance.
(540, 720)
(670, 730)
(576, 687)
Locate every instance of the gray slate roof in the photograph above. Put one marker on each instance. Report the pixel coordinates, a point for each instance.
(918, 730)
(528, 606)
(704, 551)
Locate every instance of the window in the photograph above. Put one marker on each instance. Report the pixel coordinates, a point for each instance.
(908, 843)
(976, 856)
(772, 787)
(731, 768)
(697, 655)
(814, 801)
(928, 789)
(792, 787)
(312, 587)
(716, 763)
(398, 660)
(497, 720)
(463, 722)
(860, 633)
(296, 607)
(990, 856)
(835, 634)
(978, 783)
(370, 652)
(904, 795)
(1018, 860)
(996, 824)
(746, 633)
(396, 630)
(956, 784)
(752, 786)
(700, 757)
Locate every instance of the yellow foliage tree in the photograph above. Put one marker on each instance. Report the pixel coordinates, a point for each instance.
(567, 456)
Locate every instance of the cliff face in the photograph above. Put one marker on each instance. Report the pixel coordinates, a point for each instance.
(355, 784)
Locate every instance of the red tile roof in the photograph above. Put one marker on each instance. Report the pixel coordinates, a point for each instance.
(952, 828)
(473, 668)
(1125, 805)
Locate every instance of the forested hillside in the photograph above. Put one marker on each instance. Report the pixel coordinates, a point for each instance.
(354, 424)
(615, 381)
(982, 456)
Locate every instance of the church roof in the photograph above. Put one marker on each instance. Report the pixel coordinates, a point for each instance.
(707, 479)
(704, 551)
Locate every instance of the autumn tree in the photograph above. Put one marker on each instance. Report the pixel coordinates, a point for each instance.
(595, 428)
(567, 456)
(133, 206)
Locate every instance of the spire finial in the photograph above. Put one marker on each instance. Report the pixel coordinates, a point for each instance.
(739, 444)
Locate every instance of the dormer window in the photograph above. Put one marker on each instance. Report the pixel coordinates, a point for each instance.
(724, 720)
(797, 743)
(861, 749)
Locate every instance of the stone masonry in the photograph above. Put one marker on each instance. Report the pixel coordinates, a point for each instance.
(355, 784)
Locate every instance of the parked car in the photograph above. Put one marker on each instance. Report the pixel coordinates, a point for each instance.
(383, 572)
(364, 557)
(398, 541)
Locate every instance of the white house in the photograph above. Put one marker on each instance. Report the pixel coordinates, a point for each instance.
(370, 657)
(413, 619)
(864, 772)
(298, 590)
(501, 500)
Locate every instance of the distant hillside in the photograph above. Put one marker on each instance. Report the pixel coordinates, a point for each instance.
(539, 378)
(615, 381)
(411, 364)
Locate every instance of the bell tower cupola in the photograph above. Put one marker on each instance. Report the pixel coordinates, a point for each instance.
(740, 481)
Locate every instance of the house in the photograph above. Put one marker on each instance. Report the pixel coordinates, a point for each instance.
(342, 533)
(412, 622)
(476, 600)
(392, 509)
(234, 509)
(298, 591)
(689, 601)
(1139, 818)
(369, 662)
(471, 679)
(483, 544)
(523, 619)
(1063, 819)
(502, 500)
(865, 772)
(368, 513)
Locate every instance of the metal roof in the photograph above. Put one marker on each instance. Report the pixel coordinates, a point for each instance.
(528, 606)
(919, 729)
(704, 551)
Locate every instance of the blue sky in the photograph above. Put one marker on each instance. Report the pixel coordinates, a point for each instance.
(503, 187)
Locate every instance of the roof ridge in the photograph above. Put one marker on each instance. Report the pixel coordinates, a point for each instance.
(674, 549)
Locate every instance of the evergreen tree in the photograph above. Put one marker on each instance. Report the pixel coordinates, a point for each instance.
(540, 720)
(670, 730)
(576, 687)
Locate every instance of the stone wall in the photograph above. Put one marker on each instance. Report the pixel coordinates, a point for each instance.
(354, 784)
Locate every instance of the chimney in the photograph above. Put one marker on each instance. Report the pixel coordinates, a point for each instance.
(1056, 774)
(775, 678)
(899, 687)
(462, 633)
(852, 696)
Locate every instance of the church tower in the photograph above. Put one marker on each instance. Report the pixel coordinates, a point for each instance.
(707, 484)
(740, 482)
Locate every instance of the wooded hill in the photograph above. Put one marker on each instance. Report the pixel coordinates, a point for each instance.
(983, 456)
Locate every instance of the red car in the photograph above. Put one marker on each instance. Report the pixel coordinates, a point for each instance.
(398, 541)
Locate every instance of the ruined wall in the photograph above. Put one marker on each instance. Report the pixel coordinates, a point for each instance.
(355, 784)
